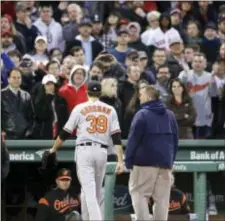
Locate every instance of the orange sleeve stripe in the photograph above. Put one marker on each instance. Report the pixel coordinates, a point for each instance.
(43, 201)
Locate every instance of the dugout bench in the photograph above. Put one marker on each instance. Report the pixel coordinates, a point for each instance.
(194, 156)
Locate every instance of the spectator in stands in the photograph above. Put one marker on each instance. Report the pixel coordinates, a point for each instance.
(40, 55)
(221, 28)
(222, 51)
(52, 68)
(132, 58)
(7, 25)
(175, 58)
(189, 52)
(6, 66)
(163, 33)
(79, 54)
(153, 20)
(31, 74)
(193, 33)
(9, 43)
(132, 107)
(162, 82)
(134, 11)
(24, 25)
(110, 95)
(96, 69)
(218, 104)
(32, 10)
(75, 14)
(91, 46)
(109, 37)
(111, 67)
(49, 28)
(201, 87)
(159, 58)
(127, 90)
(187, 11)
(134, 30)
(97, 27)
(120, 51)
(146, 73)
(15, 56)
(182, 106)
(75, 91)
(176, 20)
(51, 110)
(67, 65)
(55, 53)
(210, 43)
(204, 13)
(17, 109)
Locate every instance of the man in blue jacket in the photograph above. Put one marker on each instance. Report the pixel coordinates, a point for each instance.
(150, 154)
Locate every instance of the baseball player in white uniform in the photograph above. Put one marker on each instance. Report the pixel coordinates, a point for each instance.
(97, 124)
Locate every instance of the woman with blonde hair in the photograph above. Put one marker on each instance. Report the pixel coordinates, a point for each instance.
(109, 96)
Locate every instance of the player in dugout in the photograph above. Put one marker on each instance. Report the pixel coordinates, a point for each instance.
(58, 204)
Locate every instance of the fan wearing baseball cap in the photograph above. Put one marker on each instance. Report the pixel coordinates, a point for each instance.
(58, 204)
(51, 109)
(7, 41)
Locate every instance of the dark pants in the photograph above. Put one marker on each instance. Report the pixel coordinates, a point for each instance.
(203, 132)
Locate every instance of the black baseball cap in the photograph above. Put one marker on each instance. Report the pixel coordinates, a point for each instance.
(64, 174)
(96, 19)
(94, 86)
(85, 22)
(211, 25)
(133, 53)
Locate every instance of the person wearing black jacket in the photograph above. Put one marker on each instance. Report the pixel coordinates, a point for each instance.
(17, 109)
(51, 110)
(59, 204)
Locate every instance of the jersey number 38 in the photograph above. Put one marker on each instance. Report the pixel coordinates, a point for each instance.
(98, 124)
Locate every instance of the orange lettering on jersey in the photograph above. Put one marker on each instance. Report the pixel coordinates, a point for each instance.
(97, 124)
(95, 108)
(57, 204)
(193, 88)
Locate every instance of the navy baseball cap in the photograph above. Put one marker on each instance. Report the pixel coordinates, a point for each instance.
(94, 85)
(64, 174)
(85, 22)
(122, 31)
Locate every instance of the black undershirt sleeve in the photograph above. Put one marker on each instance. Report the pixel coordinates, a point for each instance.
(64, 135)
(116, 138)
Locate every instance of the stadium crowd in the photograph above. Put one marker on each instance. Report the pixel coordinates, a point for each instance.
(50, 50)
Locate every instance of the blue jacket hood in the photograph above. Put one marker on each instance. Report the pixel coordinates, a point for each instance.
(156, 106)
